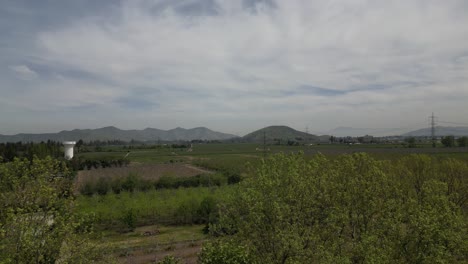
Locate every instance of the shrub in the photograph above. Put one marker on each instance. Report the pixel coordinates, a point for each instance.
(131, 182)
(103, 186)
(87, 189)
(169, 260)
(165, 182)
(116, 185)
(129, 218)
(226, 253)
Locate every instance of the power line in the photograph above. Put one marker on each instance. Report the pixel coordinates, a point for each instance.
(454, 123)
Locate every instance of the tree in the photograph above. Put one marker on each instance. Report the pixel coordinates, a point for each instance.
(224, 252)
(462, 142)
(352, 209)
(79, 144)
(37, 224)
(448, 141)
(411, 141)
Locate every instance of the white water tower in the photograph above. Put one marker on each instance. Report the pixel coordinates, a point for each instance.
(69, 149)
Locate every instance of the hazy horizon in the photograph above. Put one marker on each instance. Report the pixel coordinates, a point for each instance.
(231, 66)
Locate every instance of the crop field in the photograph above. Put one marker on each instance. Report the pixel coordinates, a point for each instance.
(250, 150)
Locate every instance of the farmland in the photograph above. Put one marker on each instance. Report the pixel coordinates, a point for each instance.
(141, 203)
(183, 213)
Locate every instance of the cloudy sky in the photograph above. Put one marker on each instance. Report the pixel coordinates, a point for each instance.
(231, 65)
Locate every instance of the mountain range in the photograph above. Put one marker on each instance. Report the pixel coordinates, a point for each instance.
(270, 134)
(380, 132)
(439, 131)
(113, 133)
(357, 132)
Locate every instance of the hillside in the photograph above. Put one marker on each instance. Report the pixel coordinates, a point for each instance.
(284, 133)
(113, 133)
(439, 131)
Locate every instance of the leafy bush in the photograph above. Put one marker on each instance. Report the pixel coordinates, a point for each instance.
(102, 186)
(352, 209)
(226, 253)
(129, 218)
(131, 182)
(38, 223)
(170, 260)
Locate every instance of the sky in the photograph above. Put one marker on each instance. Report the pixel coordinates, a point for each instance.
(231, 65)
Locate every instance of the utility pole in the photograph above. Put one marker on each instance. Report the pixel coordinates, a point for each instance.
(433, 124)
(264, 144)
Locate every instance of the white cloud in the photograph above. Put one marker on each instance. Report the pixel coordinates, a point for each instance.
(230, 69)
(24, 72)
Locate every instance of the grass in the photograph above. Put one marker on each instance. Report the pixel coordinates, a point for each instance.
(181, 241)
(114, 241)
(166, 206)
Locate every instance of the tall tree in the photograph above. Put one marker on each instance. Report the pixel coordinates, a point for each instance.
(448, 141)
(37, 224)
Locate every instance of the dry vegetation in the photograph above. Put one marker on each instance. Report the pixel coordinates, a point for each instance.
(145, 171)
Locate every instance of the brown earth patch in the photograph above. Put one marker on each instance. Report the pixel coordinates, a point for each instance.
(147, 171)
(186, 251)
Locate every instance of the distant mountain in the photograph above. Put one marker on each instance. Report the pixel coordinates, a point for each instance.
(113, 133)
(439, 131)
(357, 132)
(283, 133)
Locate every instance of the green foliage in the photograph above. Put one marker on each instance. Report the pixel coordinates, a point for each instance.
(448, 141)
(462, 142)
(131, 182)
(433, 225)
(232, 167)
(134, 182)
(102, 186)
(225, 252)
(164, 206)
(10, 151)
(129, 218)
(352, 209)
(37, 224)
(207, 211)
(411, 141)
(81, 163)
(170, 260)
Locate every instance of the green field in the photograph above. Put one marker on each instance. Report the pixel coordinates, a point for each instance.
(235, 153)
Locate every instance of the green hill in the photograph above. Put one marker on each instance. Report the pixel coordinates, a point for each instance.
(283, 134)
